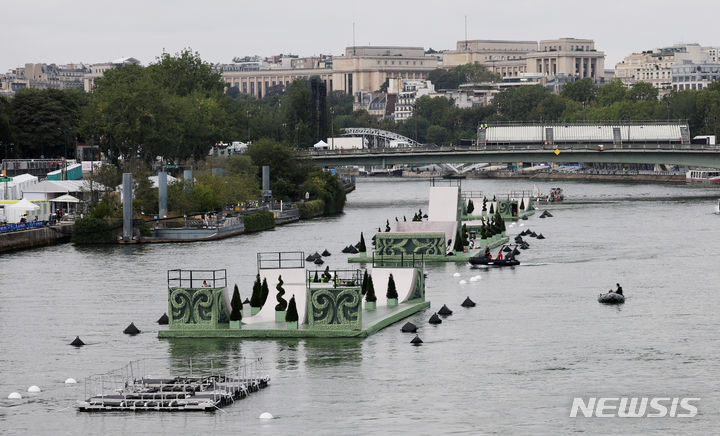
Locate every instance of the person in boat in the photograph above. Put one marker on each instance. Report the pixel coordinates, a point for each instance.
(619, 289)
(488, 254)
(472, 244)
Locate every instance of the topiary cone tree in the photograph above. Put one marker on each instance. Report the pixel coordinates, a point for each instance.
(363, 288)
(492, 211)
(326, 274)
(470, 207)
(391, 289)
(236, 305)
(370, 291)
(361, 246)
(484, 209)
(387, 226)
(282, 304)
(458, 246)
(256, 299)
(522, 204)
(465, 237)
(316, 278)
(264, 292)
(292, 314)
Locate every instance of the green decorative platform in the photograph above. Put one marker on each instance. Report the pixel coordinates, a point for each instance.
(458, 257)
(372, 321)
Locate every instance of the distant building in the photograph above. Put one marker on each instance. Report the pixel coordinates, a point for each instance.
(408, 91)
(507, 58)
(689, 75)
(658, 66)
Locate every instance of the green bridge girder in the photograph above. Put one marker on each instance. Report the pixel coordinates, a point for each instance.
(700, 158)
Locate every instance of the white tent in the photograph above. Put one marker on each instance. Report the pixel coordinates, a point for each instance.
(14, 212)
(67, 198)
(321, 145)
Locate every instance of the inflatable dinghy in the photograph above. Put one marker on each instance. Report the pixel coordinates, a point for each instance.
(611, 298)
(484, 260)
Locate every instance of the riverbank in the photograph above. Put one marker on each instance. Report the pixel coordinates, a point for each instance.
(555, 175)
(36, 237)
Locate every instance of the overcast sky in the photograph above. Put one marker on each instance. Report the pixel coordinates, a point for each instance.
(55, 31)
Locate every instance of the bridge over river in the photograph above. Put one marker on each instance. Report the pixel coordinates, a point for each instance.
(642, 143)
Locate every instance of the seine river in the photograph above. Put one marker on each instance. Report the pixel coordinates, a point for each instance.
(537, 338)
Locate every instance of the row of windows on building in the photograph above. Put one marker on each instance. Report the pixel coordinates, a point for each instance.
(688, 86)
(400, 62)
(697, 78)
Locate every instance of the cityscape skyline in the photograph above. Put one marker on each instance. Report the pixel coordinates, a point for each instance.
(618, 29)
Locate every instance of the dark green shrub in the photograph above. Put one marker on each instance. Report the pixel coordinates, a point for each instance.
(259, 220)
(311, 209)
(361, 245)
(264, 292)
(291, 315)
(236, 305)
(391, 289)
(465, 238)
(370, 291)
(470, 207)
(458, 246)
(90, 230)
(282, 304)
(364, 286)
(387, 225)
(256, 298)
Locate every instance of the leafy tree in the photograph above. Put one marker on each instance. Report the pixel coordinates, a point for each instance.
(612, 92)
(582, 90)
(236, 305)
(292, 314)
(436, 135)
(282, 304)
(643, 91)
(391, 289)
(520, 103)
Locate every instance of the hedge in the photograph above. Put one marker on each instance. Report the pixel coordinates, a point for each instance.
(90, 230)
(260, 220)
(312, 209)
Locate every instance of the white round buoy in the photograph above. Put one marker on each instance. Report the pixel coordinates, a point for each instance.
(456, 275)
(462, 282)
(34, 389)
(15, 396)
(70, 381)
(266, 415)
(475, 278)
(522, 224)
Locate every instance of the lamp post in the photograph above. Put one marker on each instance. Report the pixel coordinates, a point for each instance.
(332, 128)
(248, 126)
(64, 171)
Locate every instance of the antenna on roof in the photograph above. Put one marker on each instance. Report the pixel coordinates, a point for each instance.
(353, 38)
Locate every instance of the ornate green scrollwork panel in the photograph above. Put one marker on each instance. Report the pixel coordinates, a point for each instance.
(408, 244)
(335, 308)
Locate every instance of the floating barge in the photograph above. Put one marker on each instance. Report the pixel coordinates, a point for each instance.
(177, 394)
(330, 308)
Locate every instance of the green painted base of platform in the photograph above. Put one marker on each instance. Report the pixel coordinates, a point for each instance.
(372, 322)
(457, 257)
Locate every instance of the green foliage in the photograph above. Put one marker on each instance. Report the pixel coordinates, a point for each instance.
(643, 91)
(287, 173)
(452, 78)
(522, 204)
(264, 292)
(470, 207)
(391, 289)
(282, 304)
(370, 290)
(316, 279)
(326, 276)
(365, 283)
(387, 226)
(492, 211)
(260, 220)
(361, 245)
(236, 305)
(311, 209)
(464, 231)
(458, 245)
(326, 187)
(484, 208)
(580, 90)
(256, 299)
(292, 314)
(90, 230)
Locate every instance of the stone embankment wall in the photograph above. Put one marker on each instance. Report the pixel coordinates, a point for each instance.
(38, 237)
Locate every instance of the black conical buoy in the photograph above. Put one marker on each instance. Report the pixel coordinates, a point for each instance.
(425, 216)
(310, 258)
(326, 253)
(435, 319)
(345, 250)
(131, 329)
(524, 218)
(354, 250)
(533, 235)
(524, 233)
(515, 251)
(548, 214)
(416, 340)
(319, 261)
(468, 303)
(163, 320)
(507, 249)
(247, 301)
(77, 342)
(409, 328)
(540, 236)
(444, 311)
(524, 246)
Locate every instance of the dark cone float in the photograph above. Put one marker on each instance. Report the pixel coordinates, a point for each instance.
(468, 303)
(131, 330)
(77, 342)
(435, 319)
(409, 328)
(319, 261)
(444, 311)
(540, 236)
(163, 320)
(416, 340)
(325, 253)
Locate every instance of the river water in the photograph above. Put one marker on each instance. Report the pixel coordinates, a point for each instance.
(513, 364)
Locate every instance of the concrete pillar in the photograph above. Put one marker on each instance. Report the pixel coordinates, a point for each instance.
(265, 178)
(127, 187)
(187, 178)
(162, 194)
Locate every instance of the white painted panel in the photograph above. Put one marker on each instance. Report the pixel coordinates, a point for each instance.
(293, 283)
(443, 203)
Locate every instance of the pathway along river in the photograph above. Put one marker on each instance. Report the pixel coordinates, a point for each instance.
(513, 364)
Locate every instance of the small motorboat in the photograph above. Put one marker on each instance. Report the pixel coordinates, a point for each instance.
(484, 260)
(611, 298)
